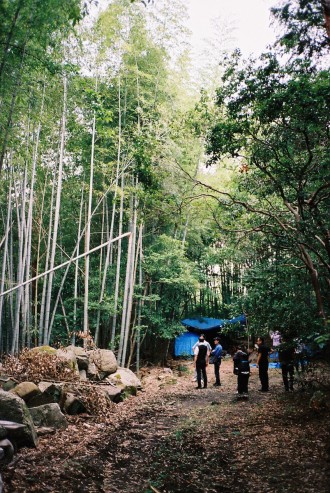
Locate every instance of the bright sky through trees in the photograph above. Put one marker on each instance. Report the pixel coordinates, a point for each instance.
(251, 20)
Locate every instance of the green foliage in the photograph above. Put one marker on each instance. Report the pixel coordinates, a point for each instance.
(304, 27)
(276, 123)
(173, 278)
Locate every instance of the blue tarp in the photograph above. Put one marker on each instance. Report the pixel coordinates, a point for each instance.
(270, 365)
(184, 343)
(204, 323)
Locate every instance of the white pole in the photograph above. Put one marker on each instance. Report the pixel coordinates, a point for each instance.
(65, 263)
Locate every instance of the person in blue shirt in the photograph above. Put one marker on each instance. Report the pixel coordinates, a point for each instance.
(216, 354)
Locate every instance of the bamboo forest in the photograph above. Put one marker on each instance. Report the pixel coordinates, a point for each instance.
(140, 189)
(134, 195)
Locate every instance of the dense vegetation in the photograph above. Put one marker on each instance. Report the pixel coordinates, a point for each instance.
(205, 204)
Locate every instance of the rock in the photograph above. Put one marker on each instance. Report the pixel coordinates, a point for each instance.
(7, 383)
(49, 392)
(10, 426)
(113, 392)
(83, 375)
(92, 372)
(46, 349)
(81, 356)
(14, 408)
(105, 361)
(48, 415)
(3, 432)
(69, 356)
(8, 449)
(44, 430)
(26, 390)
(126, 380)
(73, 405)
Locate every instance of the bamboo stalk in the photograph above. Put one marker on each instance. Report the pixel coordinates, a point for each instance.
(57, 212)
(88, 233)
(107, 260)
(64, 264)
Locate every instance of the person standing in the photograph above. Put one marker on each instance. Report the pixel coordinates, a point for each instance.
(286, 355)
(300, 355)
(262, 364)
(242, 370)
(276, 338)
(209, 349)
(201, 358)
(216, 354)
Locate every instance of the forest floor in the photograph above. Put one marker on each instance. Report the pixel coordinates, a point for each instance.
(174, 438)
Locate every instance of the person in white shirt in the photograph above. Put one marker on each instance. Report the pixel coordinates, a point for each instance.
(209, 349)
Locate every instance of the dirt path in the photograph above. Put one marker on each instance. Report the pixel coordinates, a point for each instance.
(173, 438)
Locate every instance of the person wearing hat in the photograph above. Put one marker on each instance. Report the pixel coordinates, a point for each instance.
(216, 354)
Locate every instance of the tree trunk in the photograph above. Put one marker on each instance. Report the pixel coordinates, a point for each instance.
(116, 296)
(57, 215)
(107, 260)
(326, 12)
(4, 258)
(125, 301)
(88, 235)
(133, 263)
(75, 293)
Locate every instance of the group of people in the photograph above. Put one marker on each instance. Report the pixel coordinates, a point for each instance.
(204, 354)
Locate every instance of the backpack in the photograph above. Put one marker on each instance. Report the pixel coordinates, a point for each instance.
(202, 352)
(241, 364)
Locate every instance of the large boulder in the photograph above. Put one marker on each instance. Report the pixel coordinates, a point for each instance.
(126, 380)
(92, 372)
(48, 415)
(112, 392)
(43, 349)
(68, 355)
(26, 390)
(49, 392)
(81, 356)
(104, 360)
(73, 405)
(13, 408)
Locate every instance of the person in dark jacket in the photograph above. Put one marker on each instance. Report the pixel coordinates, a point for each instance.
(286, 355)
(242, 370)
(262, 363)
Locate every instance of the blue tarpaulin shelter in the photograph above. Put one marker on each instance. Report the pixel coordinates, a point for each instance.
(183, 344)
(204, 323)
